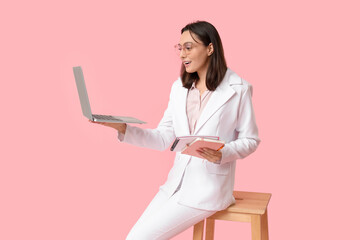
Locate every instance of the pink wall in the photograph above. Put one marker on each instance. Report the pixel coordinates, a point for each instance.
(64, 178)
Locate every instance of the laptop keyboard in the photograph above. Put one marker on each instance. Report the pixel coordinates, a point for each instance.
(105, 117)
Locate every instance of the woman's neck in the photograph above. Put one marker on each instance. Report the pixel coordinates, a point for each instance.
(201, 83)
(202, 78)
(202, 75)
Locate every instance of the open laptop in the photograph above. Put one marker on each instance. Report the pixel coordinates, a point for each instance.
(85, 104)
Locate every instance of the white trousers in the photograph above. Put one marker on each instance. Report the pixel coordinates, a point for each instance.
(164, 218)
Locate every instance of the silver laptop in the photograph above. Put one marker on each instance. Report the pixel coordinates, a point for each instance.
(85, 104)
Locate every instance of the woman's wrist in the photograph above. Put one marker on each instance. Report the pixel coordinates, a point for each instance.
(125, 126)
(122, 129)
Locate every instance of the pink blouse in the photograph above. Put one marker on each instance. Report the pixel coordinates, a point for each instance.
(195, 104)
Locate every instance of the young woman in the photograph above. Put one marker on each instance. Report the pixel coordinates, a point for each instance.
(207, 99)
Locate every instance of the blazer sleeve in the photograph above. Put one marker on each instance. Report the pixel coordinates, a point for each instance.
(159, 138)
(247, 140)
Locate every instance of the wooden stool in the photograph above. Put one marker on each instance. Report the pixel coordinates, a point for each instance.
(249, 207)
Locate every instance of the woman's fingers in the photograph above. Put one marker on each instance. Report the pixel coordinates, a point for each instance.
(209, 150)
(101, 123)
(95, 122)
(210, 154)
(117, 126)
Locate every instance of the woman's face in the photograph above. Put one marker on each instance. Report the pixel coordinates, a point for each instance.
(194, 55)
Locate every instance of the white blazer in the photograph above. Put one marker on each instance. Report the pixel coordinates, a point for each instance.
(228, 114)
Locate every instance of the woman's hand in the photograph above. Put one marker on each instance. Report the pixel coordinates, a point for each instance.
(121, 127)
(210, 154)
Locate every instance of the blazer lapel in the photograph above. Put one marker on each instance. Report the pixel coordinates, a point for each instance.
(218, 98)
(182, 111)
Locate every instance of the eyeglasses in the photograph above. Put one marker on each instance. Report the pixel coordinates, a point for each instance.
(187, 47)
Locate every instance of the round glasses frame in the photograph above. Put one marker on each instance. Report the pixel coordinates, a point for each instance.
(187, 47)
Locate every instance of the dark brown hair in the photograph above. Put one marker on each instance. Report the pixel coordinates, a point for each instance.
(207, 33)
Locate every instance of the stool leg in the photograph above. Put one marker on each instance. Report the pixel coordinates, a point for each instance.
(264, 226)
(198, 231)
(210, 227)
(256, 227)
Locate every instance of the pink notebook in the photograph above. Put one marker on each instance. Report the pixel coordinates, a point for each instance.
(202, 142)
(180, 142)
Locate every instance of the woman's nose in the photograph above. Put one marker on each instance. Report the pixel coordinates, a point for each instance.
(182, 53)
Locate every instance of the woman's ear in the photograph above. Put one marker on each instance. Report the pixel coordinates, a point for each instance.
(210, 49)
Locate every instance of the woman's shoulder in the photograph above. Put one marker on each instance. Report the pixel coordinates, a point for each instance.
(236, 81)
(176, 87)
(178, 82)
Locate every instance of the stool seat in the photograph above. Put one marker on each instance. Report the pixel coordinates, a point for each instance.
(249, 207)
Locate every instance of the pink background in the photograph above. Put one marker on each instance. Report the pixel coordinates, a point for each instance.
(64, 178)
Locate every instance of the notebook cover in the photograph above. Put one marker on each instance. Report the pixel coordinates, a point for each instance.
(191, 150)
(180, 142)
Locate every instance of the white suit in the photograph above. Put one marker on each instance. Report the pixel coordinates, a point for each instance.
(228, 114)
